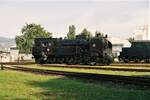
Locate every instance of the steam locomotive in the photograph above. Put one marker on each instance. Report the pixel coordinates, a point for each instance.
(138, 52)
(82, 50)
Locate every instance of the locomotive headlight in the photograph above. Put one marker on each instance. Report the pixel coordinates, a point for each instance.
(48, 49)
(49, 44)
(94, 45)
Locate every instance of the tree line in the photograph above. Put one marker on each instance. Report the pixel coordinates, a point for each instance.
(31, 31)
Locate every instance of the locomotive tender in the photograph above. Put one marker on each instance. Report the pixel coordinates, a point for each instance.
(138, 52)
(93, 51)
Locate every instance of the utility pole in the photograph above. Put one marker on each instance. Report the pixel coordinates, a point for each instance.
(145, 29)
(2, 67)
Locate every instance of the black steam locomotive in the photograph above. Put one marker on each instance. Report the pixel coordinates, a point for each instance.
(95, 51)
(138, 52)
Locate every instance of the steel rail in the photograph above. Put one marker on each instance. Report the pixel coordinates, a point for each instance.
(97, 68)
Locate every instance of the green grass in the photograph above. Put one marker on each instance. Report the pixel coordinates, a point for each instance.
(124, 73)
(25, 86)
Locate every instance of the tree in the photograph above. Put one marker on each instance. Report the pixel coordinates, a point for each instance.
(29, 33)
(86, 33)
(131, 39)
(98, 34)
(72, 32)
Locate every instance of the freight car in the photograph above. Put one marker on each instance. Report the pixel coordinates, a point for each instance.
(138, 52)
(95, 51)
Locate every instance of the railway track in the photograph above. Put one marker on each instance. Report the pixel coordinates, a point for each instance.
(97, 68)
(113, 64)
(17, 63)
(140, 81)
(131, 64)
(113, 67)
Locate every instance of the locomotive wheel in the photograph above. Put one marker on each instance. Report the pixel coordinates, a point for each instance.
(77, 60)
(105, 62)
(126, 60)
(108, 63)
(86, 60)
(71, 60)
(61, 60)
(92, 63)
(147, 60)
(136, 60)
(54, 60)
(51, 60)
(39, 61)
(68, 60)
(74, 60)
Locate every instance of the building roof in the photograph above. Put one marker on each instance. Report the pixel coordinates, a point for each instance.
(119, 41)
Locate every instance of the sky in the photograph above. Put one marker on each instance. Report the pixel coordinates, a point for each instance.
(113, 17)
